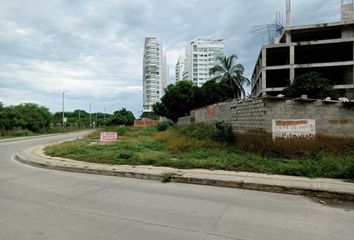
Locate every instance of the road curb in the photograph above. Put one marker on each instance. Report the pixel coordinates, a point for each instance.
(331, 188)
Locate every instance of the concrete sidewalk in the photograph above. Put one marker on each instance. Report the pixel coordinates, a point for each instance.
(319, 187)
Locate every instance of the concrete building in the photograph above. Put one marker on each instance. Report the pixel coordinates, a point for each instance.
(325, 48)
(180, 68)
(155, 73)
(200, 56)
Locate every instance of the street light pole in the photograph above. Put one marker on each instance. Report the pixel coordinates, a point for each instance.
(90, 116)
(63, 111)
(104, 117)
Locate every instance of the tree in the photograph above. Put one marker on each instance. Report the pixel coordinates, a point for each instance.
(213, 92)
(123, 117)
(179, 100)
(313, 85)
(229, 72)
(32, 116)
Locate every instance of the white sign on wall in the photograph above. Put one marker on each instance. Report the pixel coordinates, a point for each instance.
(294, 128)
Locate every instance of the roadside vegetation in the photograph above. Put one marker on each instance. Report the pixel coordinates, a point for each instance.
(30, 119)
(212, 147)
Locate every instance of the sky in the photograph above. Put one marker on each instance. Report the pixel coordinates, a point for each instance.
(93, 50)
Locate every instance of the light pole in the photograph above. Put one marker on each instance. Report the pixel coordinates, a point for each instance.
(63, 111)
(104, 117)
(90, 116)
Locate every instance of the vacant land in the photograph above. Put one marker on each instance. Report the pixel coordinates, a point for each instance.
(192, 147)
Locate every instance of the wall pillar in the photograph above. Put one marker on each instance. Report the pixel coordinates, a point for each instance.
(264, 72)
(292, 63)
(288, 37)
(353, 65)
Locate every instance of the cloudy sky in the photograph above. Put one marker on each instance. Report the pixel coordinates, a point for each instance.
(92, 50)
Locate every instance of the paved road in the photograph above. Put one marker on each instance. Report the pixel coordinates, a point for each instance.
(43, 204)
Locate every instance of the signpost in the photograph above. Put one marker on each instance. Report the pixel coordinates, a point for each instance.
(294, 128)
(107, 137)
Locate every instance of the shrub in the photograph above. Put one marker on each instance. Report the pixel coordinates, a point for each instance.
(22, 133)
(220, 132)
(223, 132)
(263, 144)
(313, 85)
(198, 131)
(163, 126)
(122, 130)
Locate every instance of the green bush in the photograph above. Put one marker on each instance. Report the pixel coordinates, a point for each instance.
(22, 133)
(198, 131)
(223, 132)
(122, 130)
(313, 85)
(163, 126)
(220, 132)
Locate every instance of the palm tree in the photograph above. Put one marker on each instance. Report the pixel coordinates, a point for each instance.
(231, 73)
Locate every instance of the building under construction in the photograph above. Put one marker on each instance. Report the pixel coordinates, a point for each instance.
(326, 48)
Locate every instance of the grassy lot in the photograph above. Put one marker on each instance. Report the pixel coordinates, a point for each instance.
(192, 147)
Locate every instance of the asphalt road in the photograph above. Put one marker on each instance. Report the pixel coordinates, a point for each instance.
(44, 204)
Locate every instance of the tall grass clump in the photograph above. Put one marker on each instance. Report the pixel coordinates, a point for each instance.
(219, 132)
(263, 144)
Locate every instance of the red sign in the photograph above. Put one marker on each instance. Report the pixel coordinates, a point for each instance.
(108, 137)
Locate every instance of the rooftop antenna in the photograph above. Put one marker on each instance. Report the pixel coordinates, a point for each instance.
(288, 12)
(347, 10)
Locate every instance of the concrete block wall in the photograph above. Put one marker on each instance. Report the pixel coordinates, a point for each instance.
(207, 115)
(332, 118)
(249, 115)
(184, 121)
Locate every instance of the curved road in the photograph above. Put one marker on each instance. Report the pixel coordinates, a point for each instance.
(44, 204)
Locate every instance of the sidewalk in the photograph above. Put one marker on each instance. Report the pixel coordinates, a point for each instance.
(320, 187)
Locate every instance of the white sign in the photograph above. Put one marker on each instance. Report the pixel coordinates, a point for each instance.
(294, 128)
(108, 137)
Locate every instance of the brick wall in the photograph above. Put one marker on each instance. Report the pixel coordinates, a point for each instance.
(146, 123)
(332, 118)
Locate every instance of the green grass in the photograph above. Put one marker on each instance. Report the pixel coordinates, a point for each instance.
(178, 149)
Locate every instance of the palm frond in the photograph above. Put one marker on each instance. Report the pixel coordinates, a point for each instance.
(217, 78)
(231, 73)
(216, 69)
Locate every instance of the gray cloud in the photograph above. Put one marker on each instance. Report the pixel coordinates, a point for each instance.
(92, 50)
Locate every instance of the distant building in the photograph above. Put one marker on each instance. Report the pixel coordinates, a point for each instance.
(200, 56)
(180, 68)
(324, 48)
(155, 73)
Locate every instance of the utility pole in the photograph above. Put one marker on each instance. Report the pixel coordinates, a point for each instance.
(63, 112)
(104, 117)
(90, 116)
(79, 119)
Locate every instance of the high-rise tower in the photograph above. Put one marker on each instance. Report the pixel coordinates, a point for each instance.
(155, 73)
(200, 56)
